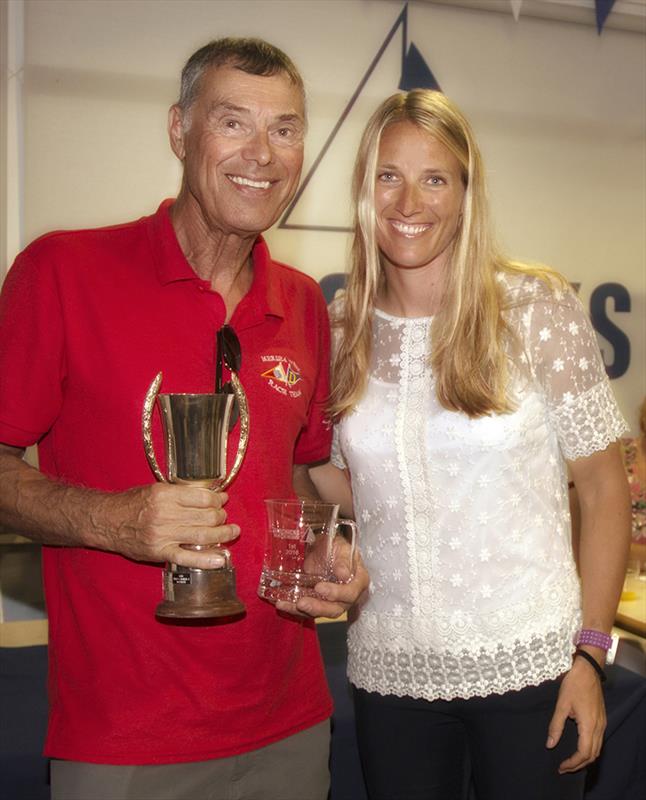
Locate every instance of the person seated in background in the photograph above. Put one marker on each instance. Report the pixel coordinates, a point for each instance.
(633, 452)
(462, 384)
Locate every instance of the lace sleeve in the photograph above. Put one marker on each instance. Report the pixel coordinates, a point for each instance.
(336, 456)
(335, 311)
(564, 358)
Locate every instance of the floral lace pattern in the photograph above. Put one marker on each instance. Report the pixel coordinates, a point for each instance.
(418, 671)
(464, 522)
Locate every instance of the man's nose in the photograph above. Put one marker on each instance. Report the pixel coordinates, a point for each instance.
(258, 148)
(409, 200)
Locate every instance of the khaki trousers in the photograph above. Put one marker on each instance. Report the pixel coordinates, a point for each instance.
(295, 768)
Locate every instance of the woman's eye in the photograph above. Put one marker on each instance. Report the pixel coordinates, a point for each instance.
(387, 177)
(435, 180)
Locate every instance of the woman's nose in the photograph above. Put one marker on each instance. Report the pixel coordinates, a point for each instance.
(409, 200)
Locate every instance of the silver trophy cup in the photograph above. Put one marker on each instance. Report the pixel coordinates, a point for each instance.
(196, 429)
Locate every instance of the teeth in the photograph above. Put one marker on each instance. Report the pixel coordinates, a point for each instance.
(409, 230)
(248, 182)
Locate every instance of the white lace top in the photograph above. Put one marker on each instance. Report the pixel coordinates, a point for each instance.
(464, 523)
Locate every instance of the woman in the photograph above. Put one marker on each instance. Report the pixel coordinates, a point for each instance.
(461, 383)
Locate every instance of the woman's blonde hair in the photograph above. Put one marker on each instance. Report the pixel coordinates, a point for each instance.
(468, 353)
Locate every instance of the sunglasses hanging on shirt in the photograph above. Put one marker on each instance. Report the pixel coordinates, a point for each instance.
(228, 354)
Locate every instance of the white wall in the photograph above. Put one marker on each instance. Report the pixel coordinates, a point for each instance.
(559, 110)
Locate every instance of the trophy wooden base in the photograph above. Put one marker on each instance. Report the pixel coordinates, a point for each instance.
(191, 593)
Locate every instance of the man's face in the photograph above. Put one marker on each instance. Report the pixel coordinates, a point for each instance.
(241, 144)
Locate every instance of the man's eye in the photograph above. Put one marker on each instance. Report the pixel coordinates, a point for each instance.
(232, 124)
(288, 134)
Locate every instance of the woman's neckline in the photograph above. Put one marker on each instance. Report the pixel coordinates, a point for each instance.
(393, 318)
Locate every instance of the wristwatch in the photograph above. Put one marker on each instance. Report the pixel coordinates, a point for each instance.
(604, 641)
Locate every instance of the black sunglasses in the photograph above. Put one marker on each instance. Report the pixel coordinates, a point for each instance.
(229, 354)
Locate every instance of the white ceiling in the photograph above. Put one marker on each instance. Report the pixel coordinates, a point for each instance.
(627, 15)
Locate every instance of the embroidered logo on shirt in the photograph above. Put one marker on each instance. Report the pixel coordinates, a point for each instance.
(283, 375)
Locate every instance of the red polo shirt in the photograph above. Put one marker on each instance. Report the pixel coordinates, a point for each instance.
(87, 319)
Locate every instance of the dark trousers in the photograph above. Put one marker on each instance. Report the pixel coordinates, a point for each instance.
(419, 750)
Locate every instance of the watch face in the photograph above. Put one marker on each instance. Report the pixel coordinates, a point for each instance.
(612, 651)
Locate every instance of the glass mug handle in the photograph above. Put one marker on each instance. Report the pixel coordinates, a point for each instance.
(353, 543)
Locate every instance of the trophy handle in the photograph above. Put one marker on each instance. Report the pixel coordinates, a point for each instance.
(241, 397)
(146, 426)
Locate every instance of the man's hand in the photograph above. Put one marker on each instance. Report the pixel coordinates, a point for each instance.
(581, 699)
(334, 598)
(154, 523)
(148, 523)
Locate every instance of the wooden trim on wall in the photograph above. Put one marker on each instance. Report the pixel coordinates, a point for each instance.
(24, 633)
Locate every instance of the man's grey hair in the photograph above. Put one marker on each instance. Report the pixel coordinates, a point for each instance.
(253, 56)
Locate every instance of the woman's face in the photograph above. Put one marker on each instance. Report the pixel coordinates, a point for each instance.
(418, 197)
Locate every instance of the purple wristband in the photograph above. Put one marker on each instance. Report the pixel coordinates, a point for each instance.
(594, 638)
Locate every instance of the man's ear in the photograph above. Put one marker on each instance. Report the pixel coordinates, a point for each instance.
(176, 131)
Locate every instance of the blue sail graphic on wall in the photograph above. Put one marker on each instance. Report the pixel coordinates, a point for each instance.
(602, 10)
(414, 74)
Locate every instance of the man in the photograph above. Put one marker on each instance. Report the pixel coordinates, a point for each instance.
(86, 321)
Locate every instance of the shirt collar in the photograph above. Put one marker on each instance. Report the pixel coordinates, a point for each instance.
(170, 262)
(264, 296)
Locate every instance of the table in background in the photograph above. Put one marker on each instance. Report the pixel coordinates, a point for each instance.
(631, 614)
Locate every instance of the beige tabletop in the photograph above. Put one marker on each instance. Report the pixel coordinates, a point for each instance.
(631, 614)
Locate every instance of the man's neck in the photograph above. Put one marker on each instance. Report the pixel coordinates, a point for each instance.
(223, 259)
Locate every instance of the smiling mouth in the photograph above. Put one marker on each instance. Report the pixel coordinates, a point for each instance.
(410, 231)
(240, 181)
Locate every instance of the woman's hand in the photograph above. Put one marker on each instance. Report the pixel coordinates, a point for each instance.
(334, 598)
(581, 699)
